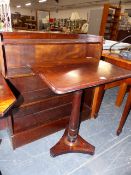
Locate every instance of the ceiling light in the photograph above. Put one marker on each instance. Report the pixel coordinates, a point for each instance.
(18, 6)
(42, 0)
(28, 4)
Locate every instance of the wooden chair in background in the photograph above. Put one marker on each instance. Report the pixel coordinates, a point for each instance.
(126, 110)
(123, 85)
(122, 91)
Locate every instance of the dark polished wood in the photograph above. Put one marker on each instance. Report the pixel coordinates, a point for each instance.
(110, 21)
(71, 141)
(96, 103)
(39, 111)
(116, 59)
(90, 72)
(72, 78)
(121, 62)
(78, 146)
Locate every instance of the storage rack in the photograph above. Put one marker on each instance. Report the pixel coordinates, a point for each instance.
(110, 22)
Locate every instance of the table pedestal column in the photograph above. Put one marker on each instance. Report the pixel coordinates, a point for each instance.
(71, 141)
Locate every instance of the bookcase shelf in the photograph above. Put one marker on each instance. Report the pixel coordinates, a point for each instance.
(110, 22)
(23, 22)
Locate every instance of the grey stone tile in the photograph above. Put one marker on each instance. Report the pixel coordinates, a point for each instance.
(112, 155)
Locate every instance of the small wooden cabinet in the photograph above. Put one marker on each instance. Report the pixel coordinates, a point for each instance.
(110, 22)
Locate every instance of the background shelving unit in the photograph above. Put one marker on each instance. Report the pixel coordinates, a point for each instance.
(110, 22)
(23, 22)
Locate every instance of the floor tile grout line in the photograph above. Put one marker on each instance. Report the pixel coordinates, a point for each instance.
(122, 166)
(93, 158)
(107, 169)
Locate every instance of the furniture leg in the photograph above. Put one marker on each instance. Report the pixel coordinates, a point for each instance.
(97, 99)
(121, 94)
(125, 113)
(71, 141)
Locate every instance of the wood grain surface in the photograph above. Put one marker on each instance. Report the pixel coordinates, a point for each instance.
(7, 98)
(72, 77)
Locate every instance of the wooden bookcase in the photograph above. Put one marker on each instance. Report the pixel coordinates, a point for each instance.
(110, 22)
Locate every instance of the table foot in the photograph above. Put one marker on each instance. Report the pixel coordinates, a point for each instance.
(118, 132)
(78, 146)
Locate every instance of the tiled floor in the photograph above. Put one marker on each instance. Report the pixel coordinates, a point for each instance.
(112, 156)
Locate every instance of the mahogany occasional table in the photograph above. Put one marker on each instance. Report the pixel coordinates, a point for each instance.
(74, 77)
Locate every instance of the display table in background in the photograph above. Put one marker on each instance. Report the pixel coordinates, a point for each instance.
(117, 60)
(121, 62)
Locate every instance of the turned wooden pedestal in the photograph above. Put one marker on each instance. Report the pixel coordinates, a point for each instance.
(71, 141)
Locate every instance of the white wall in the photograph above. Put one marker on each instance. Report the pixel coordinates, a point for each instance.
(23, 11)
(83, 12)
(95, 20)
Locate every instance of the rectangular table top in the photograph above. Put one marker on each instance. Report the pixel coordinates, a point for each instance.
(64, 78)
